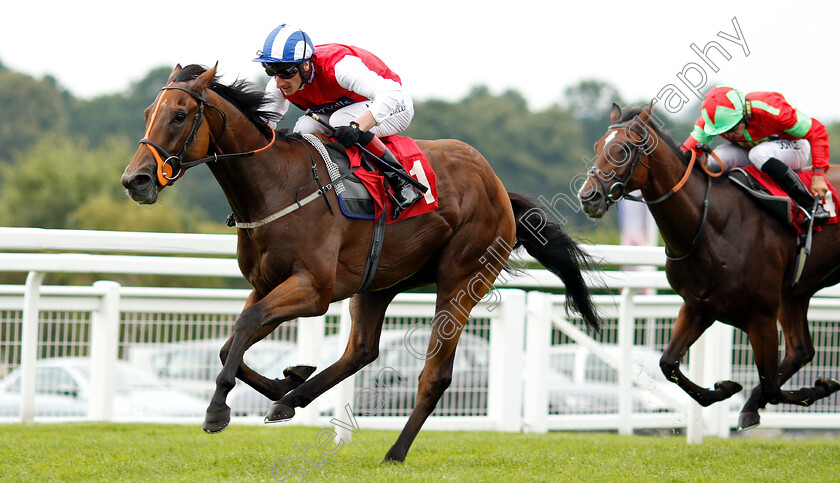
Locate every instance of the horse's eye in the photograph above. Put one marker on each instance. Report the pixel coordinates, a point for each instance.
(179, 117)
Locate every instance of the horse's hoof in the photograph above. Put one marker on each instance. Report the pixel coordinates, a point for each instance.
(278, 413)
(215, 421)
(748, 420)
(391, 459)
(727, 388)
(301, 372)
(829, 385)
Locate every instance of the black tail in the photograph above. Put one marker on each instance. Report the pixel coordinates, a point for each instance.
(546, 241)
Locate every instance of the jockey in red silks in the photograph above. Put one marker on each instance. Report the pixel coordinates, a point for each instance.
(349, 88)
(763, 129)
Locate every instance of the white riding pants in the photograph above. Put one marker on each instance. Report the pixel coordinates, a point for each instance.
(795, 153)
(389, 126)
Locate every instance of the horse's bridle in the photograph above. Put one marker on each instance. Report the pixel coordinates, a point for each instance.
(617, 190)
(614, 196)
(170, 167)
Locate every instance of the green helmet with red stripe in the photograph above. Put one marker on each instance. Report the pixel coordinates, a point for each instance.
(722, 109)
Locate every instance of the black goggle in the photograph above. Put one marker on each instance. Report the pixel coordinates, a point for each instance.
(283, 71)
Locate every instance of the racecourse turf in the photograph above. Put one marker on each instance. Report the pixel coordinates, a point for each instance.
(146, 452)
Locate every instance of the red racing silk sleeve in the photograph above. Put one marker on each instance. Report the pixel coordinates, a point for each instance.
(697, 136)
(774, 115)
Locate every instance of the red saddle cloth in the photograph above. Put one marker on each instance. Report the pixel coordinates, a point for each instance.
(415, 163)
(796, 216)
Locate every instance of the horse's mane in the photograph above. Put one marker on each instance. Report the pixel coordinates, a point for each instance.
(241, 94)
(634, 111)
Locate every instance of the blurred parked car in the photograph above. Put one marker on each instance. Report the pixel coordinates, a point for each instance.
(589, 370)
(397, 370)
(62, 389)
(193, 366)
(392, 382)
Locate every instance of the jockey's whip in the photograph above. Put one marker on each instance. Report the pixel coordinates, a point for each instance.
(805, 250)
(413, 182)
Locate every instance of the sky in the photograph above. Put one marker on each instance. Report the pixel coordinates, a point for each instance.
(442, 49)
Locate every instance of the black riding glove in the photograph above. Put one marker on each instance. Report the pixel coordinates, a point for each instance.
(702, 147)
(348, 135)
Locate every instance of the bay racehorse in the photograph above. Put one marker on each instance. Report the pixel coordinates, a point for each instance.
(300, 263)
(727, 257)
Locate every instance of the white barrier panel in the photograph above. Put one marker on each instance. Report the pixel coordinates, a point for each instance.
(526, 334)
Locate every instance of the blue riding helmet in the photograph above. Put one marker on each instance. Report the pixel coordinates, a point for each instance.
(286, 44)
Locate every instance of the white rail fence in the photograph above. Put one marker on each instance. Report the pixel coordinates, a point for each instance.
(517, 338)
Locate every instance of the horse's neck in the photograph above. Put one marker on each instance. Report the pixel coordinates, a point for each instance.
(680, 216)
(255, 186)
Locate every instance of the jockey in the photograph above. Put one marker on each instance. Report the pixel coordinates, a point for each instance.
(765, 130)
(348, 87)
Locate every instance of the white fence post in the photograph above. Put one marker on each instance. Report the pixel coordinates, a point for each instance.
(310, 333)
(346, 388)
(626, 326)
(507, 341)
(537, 343)
(29, 345)
(696, 372)
(718, 366)
(104, 345)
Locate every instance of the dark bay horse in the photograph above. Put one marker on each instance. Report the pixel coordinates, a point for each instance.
(301, 263)
(727, 257)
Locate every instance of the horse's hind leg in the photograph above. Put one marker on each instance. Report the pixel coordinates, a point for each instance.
(688, 328)
(799, 350)
(436, 375)
(765, 342)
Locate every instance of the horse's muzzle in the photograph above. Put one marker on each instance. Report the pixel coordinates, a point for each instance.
(140, 188)
(593, 202)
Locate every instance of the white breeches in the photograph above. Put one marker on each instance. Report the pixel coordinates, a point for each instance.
(795, 153)
(394, 124)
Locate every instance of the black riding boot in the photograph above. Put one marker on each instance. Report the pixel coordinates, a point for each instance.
(793, 186)
(405, 194)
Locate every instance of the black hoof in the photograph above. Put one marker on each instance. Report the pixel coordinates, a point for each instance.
(215, 421)
(301, 372)
(748, 420)
(278, 413)
(829, 385)
(392, 460)
(727, 388)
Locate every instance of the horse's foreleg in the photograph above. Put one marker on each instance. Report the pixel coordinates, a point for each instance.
(367, 311)
(295, 297)
(273, 389)
(688, 328)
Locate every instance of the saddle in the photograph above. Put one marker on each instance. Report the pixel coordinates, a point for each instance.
(773, 199)
(362, 193)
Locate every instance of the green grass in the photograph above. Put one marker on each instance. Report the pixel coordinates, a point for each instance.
(143, 452)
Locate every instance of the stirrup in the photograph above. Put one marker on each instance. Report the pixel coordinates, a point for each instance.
(820, 215)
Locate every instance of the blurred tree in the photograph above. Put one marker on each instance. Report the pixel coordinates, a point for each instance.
(31, 109)
(590, 102)
(116, 114)
(531, 152)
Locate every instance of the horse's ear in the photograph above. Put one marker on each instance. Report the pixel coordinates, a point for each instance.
(615, 113)
(174, 73)
(645, 114)
(203, 81)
